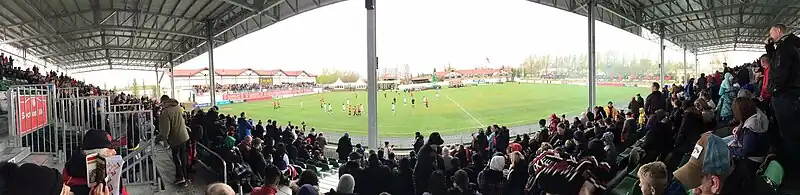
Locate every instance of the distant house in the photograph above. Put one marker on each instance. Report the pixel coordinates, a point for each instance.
(190, 77)
(473, 73)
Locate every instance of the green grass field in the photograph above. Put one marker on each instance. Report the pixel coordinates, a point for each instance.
(456, 110)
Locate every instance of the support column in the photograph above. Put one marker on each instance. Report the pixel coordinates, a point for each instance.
(661, 47)
(171, 77)
(157, 89)
(590, 8)
(24, 57)
(372, 76)
(212, 87)
(696, 63)
(685, 66)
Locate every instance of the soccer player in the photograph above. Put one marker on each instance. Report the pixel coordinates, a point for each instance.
(279, 103)
(426, 101)
(301, 104)
(349, 110)
(394, 100)
(437, 94)
(343, 107)
(405, 101)
(322, 103)
(330, 108)
(412, 102)
(393, 108)
(348, 101)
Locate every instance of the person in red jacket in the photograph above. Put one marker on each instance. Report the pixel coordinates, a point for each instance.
(94, 141)
(765, 94)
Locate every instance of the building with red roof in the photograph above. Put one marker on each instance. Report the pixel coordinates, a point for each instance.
(191, 77)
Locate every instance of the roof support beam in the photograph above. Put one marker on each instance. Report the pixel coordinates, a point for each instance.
(106, 27)
(243, 4)
(711, 10)
(81, 50)
(114, 10)
(713, 29)
(116, 67)
(67, 64)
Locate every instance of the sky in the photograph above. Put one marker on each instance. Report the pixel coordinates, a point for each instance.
(421, 33)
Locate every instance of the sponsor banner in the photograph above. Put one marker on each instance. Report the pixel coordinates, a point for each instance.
(224, 102)
(263, 95)
(237, 101)
(202, 105)
(32, 113)
(267, 81)
(258, 99)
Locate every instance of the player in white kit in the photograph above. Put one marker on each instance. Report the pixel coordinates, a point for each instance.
(392, 107)
(405, 100)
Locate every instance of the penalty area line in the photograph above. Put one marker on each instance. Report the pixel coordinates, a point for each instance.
(465, 110)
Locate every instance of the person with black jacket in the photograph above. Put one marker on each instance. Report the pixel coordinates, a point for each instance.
(655, 101)
(784, 81)
(344, 147)
(259, 131)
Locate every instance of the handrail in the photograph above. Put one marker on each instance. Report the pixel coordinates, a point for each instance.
(224, 164)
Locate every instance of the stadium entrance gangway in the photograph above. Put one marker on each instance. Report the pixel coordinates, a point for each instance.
(44, 120)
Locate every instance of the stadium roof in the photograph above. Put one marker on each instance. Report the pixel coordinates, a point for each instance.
(92, 35)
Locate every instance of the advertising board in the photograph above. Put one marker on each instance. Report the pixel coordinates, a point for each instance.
(32, 113)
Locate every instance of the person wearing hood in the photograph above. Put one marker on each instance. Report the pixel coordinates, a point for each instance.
(94, 142)
(490, 180)
(784, 82)
(345, 186)
(749, 139)
(727, 93)
(610, 148)
(426, 162)
(344, 147)
(173, 129)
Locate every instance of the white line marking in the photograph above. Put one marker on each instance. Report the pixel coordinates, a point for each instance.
(465, 110)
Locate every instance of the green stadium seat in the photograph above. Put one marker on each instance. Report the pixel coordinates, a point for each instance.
(635, 190)
(625, 186)
(774, 174)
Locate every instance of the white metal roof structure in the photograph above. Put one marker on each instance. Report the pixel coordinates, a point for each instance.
(92, 35)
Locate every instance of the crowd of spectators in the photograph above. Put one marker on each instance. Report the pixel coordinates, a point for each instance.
(710, 135)
(236, 88)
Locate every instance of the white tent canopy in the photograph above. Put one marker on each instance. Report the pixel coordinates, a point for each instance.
(338, 82)
(360, 82)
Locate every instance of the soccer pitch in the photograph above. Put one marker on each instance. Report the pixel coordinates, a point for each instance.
(456, 110)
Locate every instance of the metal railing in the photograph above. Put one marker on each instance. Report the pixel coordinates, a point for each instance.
(224, 164)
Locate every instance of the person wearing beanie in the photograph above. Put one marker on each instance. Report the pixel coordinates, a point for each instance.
(491, 180)
(173, 129)
(31, 179)
(307, 189)
(94, 142)
(345, 187)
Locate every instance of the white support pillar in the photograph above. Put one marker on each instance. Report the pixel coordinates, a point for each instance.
(661, 48)
(372, 76)
(157, 90)
(685, 66)
(171, 77)
(212, 86)
(696, 63)
(590, 8)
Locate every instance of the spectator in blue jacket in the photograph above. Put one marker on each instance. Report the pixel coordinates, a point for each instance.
(244, 127)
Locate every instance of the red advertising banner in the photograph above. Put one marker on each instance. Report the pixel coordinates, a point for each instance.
(263, 95)
(32, 113)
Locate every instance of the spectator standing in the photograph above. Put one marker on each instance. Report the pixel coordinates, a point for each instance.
(655, 101)
(784, 82)
(344, 147)
(173, 129)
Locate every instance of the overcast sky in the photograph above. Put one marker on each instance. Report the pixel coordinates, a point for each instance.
(421, 33)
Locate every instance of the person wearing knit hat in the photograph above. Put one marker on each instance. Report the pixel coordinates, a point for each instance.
(491, 180)
(31, 179)
(346, 184)
(307, 189)
(94, 142)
